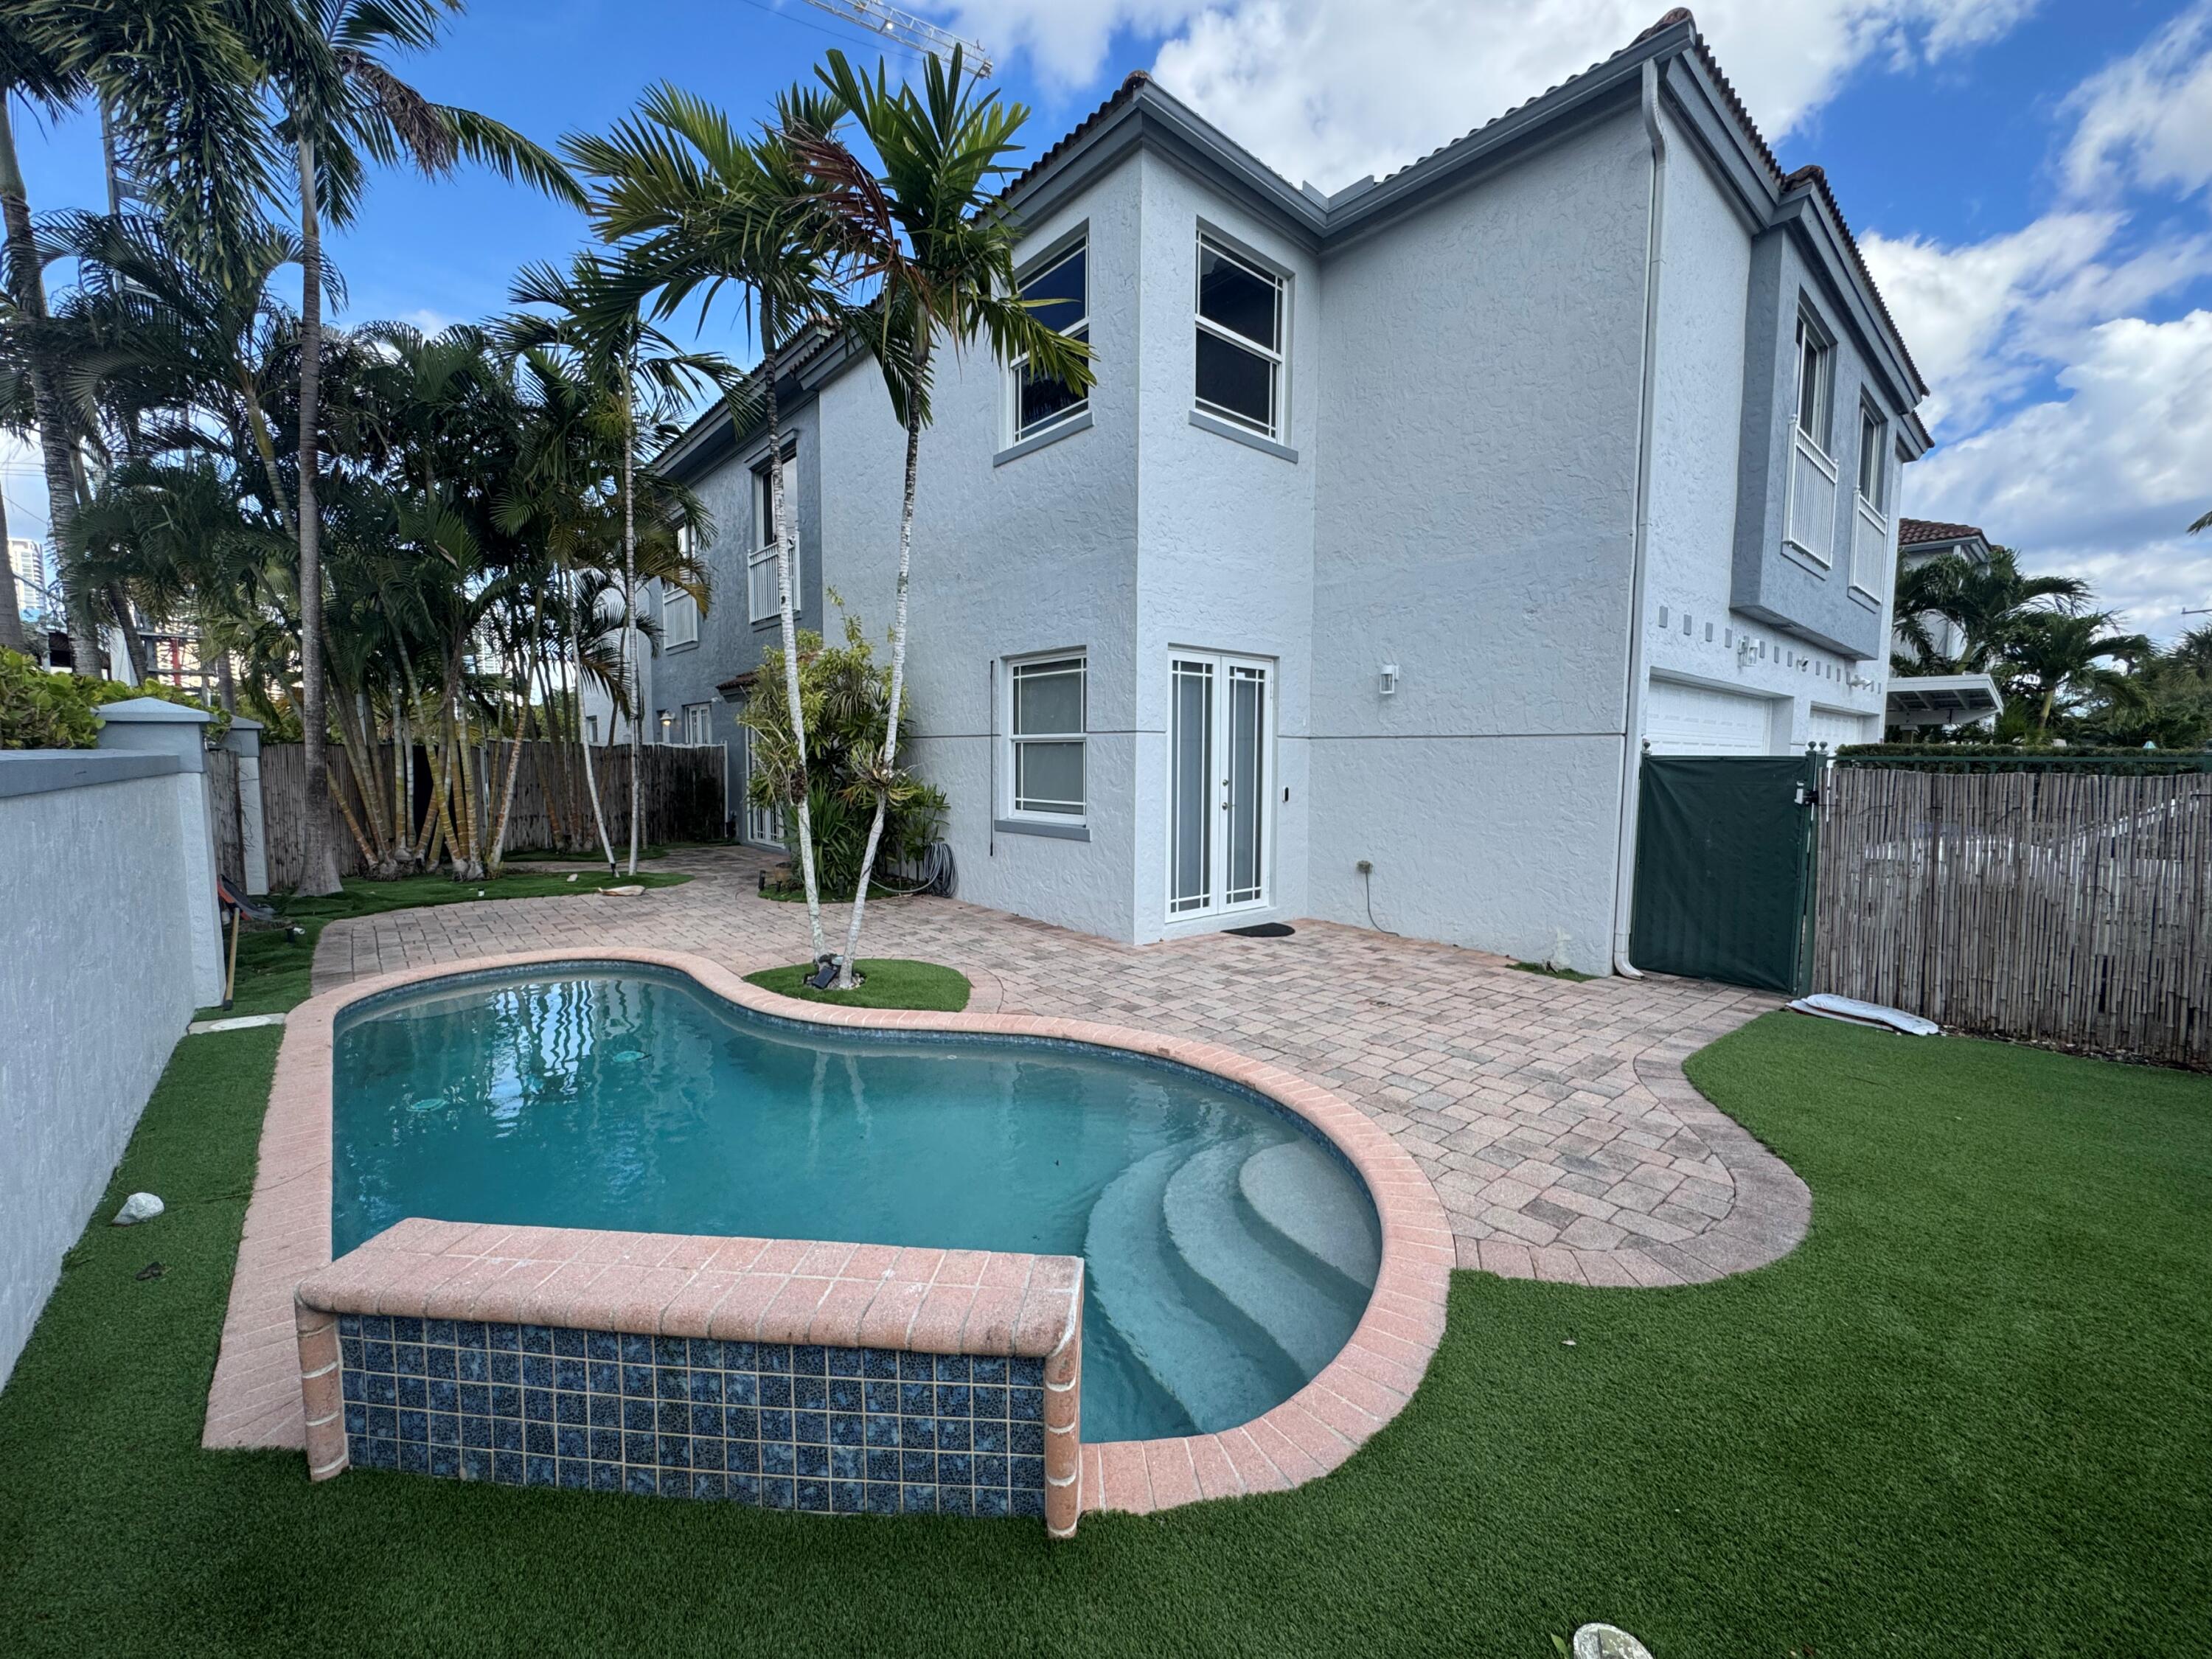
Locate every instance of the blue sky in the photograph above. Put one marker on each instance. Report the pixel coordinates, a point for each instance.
(2032, 182)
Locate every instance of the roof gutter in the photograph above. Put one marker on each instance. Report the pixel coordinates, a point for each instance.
(1632, 735)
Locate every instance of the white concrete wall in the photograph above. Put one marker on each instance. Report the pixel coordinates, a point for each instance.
(1226, 534)
(1475, 519)
(1037, 555)
(1690, 634)
(101, 959)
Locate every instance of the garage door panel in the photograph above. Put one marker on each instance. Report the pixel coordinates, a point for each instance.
(1834, 727)
(1679, 718)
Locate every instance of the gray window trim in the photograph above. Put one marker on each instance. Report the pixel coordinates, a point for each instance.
(1030, 444)
(1039, 827)
(1205, 422)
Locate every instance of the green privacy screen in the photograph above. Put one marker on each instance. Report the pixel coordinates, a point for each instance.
(1723, 868)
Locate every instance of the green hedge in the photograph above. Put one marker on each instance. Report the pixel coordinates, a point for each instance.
(44, 710)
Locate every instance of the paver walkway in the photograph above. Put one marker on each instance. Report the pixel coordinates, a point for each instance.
(1552, 1117)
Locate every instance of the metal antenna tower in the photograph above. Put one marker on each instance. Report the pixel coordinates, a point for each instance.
(908, 30)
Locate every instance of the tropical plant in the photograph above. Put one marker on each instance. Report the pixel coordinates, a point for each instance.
(697, 209)
(1989, 603)
(927, 235)
(2055, 659)
(846, 696)
(343, 108)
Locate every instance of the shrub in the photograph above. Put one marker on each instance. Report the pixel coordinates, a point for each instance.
(44, 710)
(845, 696)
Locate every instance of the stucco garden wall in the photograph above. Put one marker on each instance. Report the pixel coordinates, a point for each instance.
(107, 937)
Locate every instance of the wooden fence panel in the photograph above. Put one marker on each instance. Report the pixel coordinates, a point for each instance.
(223, 816)
(2071, 907)
(683, 786)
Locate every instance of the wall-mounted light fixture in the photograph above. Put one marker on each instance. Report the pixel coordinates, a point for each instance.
(1389, 679)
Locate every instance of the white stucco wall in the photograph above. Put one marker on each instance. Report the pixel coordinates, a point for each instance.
(1226, 534)
(1036, 555)
(102, 960)
(1475, 525)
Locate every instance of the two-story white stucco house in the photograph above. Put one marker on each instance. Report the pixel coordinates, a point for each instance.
(1399, 521)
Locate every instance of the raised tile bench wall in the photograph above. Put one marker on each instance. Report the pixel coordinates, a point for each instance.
(836, 1378)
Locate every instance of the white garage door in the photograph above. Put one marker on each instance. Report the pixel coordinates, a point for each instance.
(1834, 727)
(1696, 720)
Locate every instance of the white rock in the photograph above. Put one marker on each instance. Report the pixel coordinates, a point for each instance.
(1608, 1642)
(139, 1206)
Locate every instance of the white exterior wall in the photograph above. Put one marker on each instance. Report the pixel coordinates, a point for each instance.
(104, 953)
(1037, 554)
(1475, 516)
(1690, 634)
(1226, 535)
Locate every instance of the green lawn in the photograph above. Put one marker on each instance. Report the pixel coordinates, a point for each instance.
(273, 969)
(1971, 1415)
(888, 982)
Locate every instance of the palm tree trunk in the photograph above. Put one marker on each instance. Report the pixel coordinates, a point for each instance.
(584, 741)
(788, 614)
(30, 297)
(898, 673)
(320, 873)
(632, 643)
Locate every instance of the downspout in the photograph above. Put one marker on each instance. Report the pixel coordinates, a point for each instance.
(1631, 736)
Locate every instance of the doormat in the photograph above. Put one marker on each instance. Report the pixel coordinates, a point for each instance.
(1264, 930)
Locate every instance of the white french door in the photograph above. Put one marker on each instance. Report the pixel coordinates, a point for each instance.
(1221, 725)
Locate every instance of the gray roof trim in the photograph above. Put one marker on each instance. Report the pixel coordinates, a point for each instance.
(1803, 213)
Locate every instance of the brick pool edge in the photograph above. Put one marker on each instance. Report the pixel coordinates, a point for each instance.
(256, 1398)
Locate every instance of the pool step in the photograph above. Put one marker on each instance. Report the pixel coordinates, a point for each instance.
(1306, 1307)
(1295, 1187)
(1162, 1314)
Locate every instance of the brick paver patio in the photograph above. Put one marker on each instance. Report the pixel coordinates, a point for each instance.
(1552, 1117)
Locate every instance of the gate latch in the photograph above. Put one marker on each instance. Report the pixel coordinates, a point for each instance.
(1807, 796)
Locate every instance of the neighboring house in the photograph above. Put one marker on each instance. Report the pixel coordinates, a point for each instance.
(1399, 521)
(1930, 700)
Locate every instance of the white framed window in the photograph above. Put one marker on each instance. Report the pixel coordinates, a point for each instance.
(763, 594)
(1058, 293)
(1240, 319)
(764, 824)
(1047, 712)
(1870, 523)
(1810, 520)
(679, 611)
(591, 730)
(698, 722)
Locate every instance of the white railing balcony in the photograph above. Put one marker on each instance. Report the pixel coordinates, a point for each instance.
(761, 589)
(1869, 549)
(1811, 517)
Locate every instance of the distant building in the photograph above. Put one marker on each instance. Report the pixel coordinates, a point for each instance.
(29, 559)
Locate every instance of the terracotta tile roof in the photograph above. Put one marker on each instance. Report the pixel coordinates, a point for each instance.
(1913, 532)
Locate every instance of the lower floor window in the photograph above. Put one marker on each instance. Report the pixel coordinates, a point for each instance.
(764, 824)
(698, 722)
(1045, 730)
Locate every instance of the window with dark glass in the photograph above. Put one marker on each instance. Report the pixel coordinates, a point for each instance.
(1873, 436)
(1814, 370)
(1240, 340)
(1059, 296)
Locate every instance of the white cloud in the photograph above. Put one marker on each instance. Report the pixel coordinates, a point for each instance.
(1330, 89)
(2147, 120)
(2100, 482)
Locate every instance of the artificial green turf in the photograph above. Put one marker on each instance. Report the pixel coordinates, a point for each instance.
(274, 969)
(889, 982)
(1971, 1415)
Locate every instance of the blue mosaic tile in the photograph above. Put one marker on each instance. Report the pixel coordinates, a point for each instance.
(806, 1427)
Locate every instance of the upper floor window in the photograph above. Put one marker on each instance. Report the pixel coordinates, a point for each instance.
(1046, 733)
(1874, 460)
(1059, 296)
(1240, 340)
(679, 611)
(762, 593)
(1816, 362)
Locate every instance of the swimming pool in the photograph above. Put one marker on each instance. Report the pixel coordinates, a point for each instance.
(1229, 1251)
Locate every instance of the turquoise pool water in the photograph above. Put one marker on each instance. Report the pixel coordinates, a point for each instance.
(1230, 1251)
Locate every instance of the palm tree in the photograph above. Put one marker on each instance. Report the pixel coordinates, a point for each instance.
(943, 260)
(336, 123)
(1987, 601)
(697, 208)
(2057, 658)
(600, 315)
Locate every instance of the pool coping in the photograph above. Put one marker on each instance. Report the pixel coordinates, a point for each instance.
(254, 1399)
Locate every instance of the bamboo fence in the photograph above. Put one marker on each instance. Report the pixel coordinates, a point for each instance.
(682, 786)
(2057, 906)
